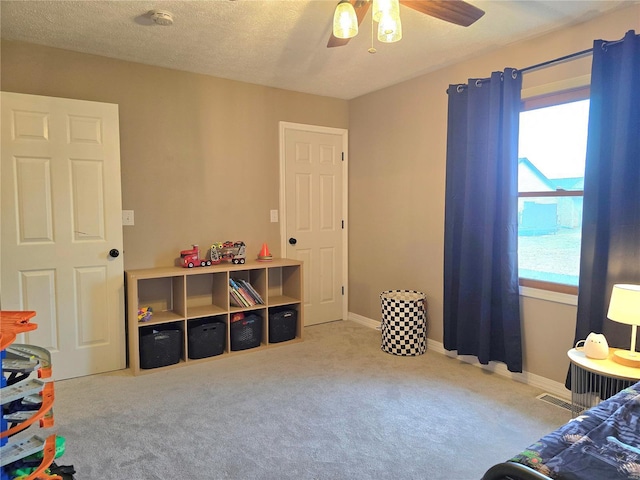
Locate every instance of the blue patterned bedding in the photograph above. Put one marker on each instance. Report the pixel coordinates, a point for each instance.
(601, 444)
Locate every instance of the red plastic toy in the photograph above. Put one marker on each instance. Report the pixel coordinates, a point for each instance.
(191, 258)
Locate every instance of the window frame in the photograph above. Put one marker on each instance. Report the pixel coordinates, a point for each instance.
(541, 101)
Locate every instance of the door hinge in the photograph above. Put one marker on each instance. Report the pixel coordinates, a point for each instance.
(343, 224)
(343, 290)
(343, 156)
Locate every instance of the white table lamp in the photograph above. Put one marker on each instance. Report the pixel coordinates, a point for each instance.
(624, 307)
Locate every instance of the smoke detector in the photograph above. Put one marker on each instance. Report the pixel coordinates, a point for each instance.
(162, 17)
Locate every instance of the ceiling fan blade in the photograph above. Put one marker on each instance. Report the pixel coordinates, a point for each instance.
(361, 7)
(453, 11)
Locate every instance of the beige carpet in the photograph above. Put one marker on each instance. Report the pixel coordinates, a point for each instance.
(332, 407)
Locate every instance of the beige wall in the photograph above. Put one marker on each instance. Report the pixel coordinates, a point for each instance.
(199, 155)
(199, 162)
(398, 150)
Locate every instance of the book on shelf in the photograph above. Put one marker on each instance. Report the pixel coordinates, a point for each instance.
(242, 293)
(236, 299)
(252, 291)
(249, 302)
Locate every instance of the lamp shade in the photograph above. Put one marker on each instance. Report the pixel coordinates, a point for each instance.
(385, 7)
(345, 21)
(624, 306)
(389, 29)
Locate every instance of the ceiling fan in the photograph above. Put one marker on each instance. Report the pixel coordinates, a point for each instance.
(453, 11)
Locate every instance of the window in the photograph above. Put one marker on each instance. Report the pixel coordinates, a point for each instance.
(551, 159)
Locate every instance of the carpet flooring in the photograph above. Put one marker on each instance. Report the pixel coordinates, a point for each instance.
(332, 407)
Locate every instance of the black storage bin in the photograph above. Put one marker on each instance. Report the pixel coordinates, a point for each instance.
(159, 348)
(282, 325)
(206, 338)
(246, 333)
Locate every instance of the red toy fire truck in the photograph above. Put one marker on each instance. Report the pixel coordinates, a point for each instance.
(191, 258)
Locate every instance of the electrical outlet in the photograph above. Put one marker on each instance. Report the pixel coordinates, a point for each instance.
(274, 216)
(127, 217)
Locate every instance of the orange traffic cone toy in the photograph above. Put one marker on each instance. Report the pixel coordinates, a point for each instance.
(264, 254)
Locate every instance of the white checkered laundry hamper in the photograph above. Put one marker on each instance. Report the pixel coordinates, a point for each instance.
(403, 322)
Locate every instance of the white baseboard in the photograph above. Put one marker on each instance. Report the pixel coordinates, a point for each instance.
(555, 388)
(367, 322)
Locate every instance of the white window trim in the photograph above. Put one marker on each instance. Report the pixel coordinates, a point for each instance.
(556, 297)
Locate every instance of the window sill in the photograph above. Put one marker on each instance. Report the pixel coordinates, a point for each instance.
(549, 296)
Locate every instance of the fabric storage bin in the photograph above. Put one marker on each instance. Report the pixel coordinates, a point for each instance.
(403, 322)
(283, 324)
(246, 333)
(206, 338)
(160, 347)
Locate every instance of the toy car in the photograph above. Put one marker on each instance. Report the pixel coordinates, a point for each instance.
(234, 251)
(191, 258)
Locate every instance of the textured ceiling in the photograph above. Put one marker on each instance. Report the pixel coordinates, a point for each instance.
(281, 43)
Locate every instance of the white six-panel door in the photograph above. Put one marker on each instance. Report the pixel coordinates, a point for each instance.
(314, 211)
(61, 217)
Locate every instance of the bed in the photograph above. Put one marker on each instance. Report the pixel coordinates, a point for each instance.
(602, 443)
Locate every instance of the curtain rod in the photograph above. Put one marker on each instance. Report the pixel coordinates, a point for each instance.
(538, 66)
(571, 56)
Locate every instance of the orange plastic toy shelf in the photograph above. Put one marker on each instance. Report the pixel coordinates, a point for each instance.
(48, 455)
(47, 403)
(6, 339)
(14, 322)
(11, 324)
(44, 372)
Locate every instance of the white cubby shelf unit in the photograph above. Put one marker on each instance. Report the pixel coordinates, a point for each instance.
(179, 297)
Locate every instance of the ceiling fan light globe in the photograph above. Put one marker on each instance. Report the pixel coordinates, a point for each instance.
(389, 29)
(382, 7)
(345, 21)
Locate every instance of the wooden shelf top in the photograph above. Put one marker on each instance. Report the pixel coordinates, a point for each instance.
(157, 272)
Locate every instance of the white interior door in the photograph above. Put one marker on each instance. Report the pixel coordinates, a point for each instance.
(313, 160)
(61, 217)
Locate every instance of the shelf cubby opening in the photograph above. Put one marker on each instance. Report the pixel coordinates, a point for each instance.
(162, 345)
(284, 286)
(248, 332)
(206, 294)
(284, 323)
(165, 296)
(257, 279)
(207, 337)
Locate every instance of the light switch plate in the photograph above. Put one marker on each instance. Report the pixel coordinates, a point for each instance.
(127, 217)
(274, 216)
